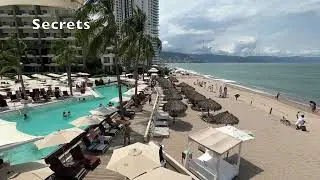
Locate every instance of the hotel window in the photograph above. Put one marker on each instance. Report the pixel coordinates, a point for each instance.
(106, 60)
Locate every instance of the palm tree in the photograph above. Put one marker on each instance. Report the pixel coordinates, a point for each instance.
(136, 43)
(148, 53)
(10, 58)
(65, 55)
(83, 41)
(102, 33)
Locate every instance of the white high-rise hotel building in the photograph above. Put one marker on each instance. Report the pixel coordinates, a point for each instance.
(123, 10)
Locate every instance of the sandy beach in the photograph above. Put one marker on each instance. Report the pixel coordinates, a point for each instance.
(277, 152)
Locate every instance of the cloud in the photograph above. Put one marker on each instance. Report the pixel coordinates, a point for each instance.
(241, 27)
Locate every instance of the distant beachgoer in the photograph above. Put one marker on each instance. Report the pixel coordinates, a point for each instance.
(220, 91)
(277, 96)
(83, 99)
(100, 105)
(237, 96)
(300, 122)
(64, 114)
(110, 104)
(313, 106)
(109, 81)
(69, 113)
(25, 116)
(225, 92)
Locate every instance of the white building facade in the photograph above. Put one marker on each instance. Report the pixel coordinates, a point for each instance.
(16, 18)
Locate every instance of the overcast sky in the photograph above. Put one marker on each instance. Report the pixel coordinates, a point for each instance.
(241, 27)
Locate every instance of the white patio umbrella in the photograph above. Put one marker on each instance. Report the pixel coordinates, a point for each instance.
(37, 170)
(153, 70)
(87, 121)
(72, 75)
(54, 75)
(40, 76)
(11, 137)
(124, 98)
(103, 111)
(83, 74)
(24, 77)
(58, 137)
(163, 174)
(134, 160)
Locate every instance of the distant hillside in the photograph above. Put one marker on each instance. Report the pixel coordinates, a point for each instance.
(176, 57)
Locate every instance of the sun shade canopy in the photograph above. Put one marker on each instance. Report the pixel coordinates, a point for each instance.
(215, 140)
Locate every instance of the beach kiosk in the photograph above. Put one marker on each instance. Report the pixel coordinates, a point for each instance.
(215, 146)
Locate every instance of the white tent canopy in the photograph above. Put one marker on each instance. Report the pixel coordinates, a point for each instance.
(236, 133)
(215, 140)
(11, 137)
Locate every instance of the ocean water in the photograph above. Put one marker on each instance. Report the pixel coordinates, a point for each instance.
(299, 82)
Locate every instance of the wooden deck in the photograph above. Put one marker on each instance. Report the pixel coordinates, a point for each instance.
(138, 126)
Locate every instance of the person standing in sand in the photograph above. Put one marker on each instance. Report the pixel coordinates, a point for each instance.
(300, 122)
(277, 96)
(220, 91)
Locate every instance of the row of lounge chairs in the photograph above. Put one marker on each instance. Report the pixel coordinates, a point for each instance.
(37, 95)
(75, 159)
(161, 118)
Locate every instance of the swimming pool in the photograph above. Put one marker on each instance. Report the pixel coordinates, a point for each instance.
(48, 118)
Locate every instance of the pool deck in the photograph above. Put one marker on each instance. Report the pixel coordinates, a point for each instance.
(138, 126)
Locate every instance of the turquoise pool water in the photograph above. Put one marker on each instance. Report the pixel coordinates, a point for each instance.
(48, 118)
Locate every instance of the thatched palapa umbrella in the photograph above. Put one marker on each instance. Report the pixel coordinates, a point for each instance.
(196, 98)
(175, 108)
(183, 84)
(170, 91)
(173, 96)
(225, 118)
(209, 104)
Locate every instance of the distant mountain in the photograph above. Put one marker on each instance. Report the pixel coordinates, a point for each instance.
(176, 57)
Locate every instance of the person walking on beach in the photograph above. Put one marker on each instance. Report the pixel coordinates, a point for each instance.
(126, 133)
(277, 96)
(220, 91)
(225, 92)
(313, 106)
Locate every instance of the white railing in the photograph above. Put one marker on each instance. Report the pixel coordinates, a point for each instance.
(147, 132)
